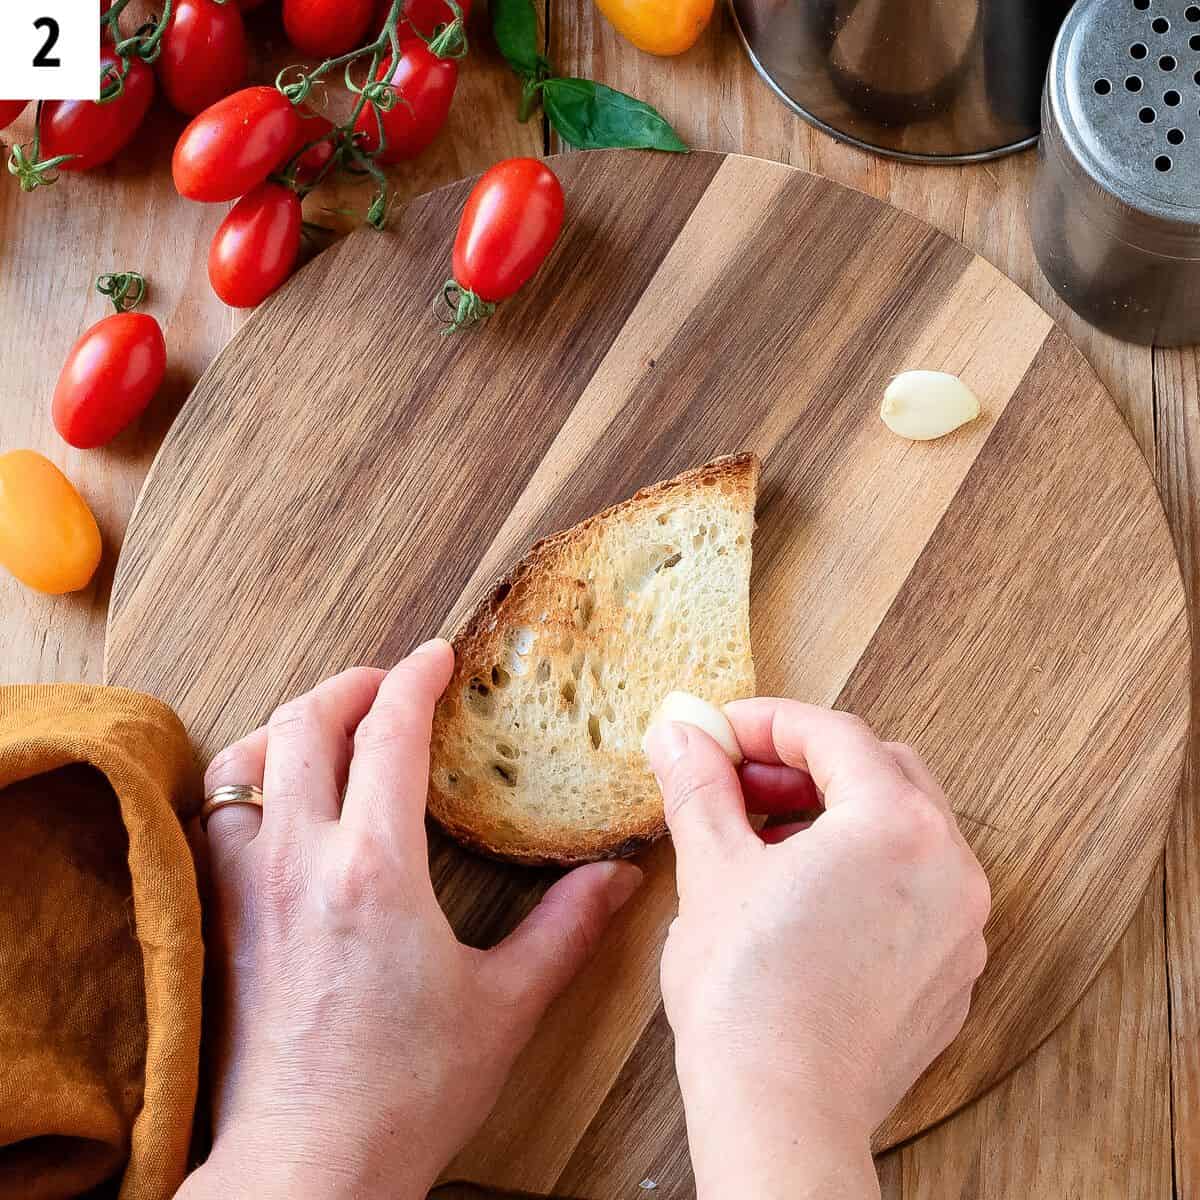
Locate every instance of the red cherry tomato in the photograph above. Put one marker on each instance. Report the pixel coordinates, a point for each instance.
(426, 85)
(10, 110)
(255, 248)
(422, 15)
(94, 133)
(234, 145)
(315, 158)
(108, 379)
(203, 54)
(511, 220)
(325, 28)
(247, 5)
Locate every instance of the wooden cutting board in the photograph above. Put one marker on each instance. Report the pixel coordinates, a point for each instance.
(344, 481)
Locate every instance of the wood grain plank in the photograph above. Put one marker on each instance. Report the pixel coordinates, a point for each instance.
(1177, 386)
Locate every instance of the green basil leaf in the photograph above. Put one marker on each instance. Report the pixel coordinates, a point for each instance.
(515, 28)
(591, 116)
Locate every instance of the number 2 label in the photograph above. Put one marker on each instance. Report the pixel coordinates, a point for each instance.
(49, 50)
(42, 58)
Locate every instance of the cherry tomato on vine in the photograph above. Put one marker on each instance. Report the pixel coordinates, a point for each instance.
(511, 220)
(108, 379)
(255, 248)
(203, 54)
(235, 144)
(48, 537)
(426, 86)
(10, 110)
(94, 133)
(326, 28)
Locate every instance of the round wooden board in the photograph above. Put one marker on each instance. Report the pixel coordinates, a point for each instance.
(344, 481)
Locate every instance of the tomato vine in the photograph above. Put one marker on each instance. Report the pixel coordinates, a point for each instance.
(448, 41)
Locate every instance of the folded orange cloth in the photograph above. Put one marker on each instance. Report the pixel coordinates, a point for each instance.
(100, 948)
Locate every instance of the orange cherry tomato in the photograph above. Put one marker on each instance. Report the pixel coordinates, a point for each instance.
(658, 26)
(48, 537)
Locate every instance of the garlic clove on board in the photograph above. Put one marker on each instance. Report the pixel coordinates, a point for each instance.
(923, 405)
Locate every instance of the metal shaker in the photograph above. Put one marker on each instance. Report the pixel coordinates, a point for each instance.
(1115, 208)
(925, 80)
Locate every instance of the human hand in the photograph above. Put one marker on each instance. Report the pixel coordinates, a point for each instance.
(359, 1045)
(815, 971)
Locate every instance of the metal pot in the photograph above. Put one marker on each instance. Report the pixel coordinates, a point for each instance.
(928, 80)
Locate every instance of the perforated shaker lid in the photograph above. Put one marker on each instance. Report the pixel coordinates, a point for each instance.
(1123, 93)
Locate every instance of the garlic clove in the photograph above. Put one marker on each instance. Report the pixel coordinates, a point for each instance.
(923, 405)
(686, 709)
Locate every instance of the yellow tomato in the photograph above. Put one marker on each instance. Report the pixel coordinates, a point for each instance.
(48, 537)
(658, 26)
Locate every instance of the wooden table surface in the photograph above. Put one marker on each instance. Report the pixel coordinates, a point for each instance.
(1109, 1107)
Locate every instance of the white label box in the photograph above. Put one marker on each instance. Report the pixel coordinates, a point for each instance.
(49, 49)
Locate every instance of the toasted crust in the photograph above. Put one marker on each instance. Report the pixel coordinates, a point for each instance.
(530, 595)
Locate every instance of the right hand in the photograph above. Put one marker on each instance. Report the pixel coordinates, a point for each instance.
(810, 977)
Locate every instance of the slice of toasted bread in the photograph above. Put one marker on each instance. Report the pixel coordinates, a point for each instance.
(536, 753)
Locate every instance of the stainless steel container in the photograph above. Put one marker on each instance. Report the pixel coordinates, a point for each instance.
(1115, 208)
(927, 80)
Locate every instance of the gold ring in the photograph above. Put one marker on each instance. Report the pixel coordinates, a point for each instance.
(231, 793)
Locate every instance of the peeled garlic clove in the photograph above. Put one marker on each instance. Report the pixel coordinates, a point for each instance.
(686, 709)
(923, 405)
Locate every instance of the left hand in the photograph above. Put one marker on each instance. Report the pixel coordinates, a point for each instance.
(359, 1044)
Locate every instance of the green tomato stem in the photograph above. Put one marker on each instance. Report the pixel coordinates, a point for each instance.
(450, 41)
(126, 289)
(468, 308)
(26, 163)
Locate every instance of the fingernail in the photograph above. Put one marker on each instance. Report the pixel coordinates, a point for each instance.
(624, 879)
(429, 646)
(665, 741)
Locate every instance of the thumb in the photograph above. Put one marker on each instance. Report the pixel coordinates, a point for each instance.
(702, 798)
(547, 950)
